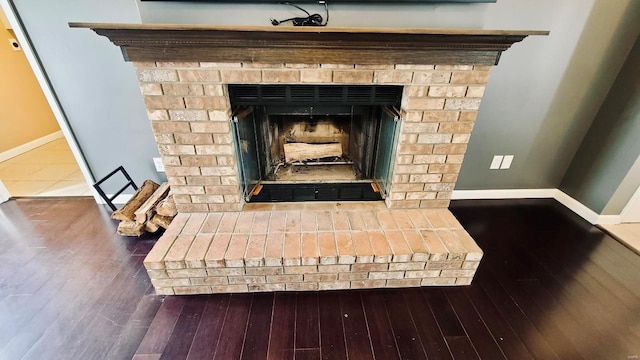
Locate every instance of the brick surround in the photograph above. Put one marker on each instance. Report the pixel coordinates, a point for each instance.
(189, 109)
(217, 243)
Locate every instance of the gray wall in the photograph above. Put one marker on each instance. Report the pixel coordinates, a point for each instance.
(541, 98)
(98, 91)
(611, 147)
(540, 101)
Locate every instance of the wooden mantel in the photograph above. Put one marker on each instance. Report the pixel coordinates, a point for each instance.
(332, 45)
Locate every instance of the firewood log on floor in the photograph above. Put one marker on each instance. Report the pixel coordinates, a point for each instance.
(140, 213)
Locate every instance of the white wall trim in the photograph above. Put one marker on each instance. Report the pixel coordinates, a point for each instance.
(4, 193)
(9, 10)
(629, 213)
(19, 150)
(566, 200)
(503, 194)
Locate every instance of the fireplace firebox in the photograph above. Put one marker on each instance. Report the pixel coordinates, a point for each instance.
(306, 142)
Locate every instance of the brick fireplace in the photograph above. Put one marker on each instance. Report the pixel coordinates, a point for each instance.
(219, 243)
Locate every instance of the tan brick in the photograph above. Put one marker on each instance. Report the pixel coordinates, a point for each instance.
(199, 75)
(434, 138)
(207, 103)
(247, 279)
(456, 127)
(143, 64)
(161, 283)
(214, 150)
(475, 91)
(431, 77)
(309, 249)
(369, 267)
(241, 76)
(182, 170)
(421, 274)
(158, 115)
(407, 266)
(462, 104)
(450, 149)
(444, 265)
(188, 115)
(374, 275)
(402, 283)
(334, 268)
(164, 291)
(392, 77)
(353, 77)
(210, 127)
(469, 77)
(234, 257)
(222, 139)
(207, 199)
(301, 286)
(163, 102)
(187, 190)
(281, 76)
(182, 89)
(454, 67)
(425, 103)
(284, 278)
(194, 139)
(307, 269)
(186, 273)
(214, 90)
(460, 139)
(157, 274)
(429, 159)
(316, 76)
(464, 281)
(440, 116)
(217, 280)
(203, 180)
(150, 89)
(416, 90)
(368, 284)
(334, 285)
(156, 75)
(176, 180)
(192, 290)
(222, 271)
(229, 289)
(170, 127)
(320, 277)
(468, 115)
(428, 204)
(447, 91)
(454, 159)
(420, 128)
(254, 255)
(192, 208)
(470, 265)
(444, 168)
(437, 281)
(266, 287)
(353, 276)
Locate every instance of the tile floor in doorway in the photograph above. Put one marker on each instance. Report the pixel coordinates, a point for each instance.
(627, 233)
(48, 170)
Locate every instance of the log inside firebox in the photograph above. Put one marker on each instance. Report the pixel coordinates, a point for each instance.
(303, 151)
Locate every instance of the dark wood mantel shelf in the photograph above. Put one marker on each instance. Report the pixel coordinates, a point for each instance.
(333, 45)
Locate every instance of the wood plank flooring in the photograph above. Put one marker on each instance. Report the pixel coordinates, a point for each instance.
(550, 286)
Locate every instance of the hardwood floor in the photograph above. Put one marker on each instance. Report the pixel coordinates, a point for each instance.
(549, 287)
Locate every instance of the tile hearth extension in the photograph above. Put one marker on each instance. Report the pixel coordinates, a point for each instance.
(311, 246)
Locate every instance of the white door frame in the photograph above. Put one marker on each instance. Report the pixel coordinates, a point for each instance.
(14, 20)
(631, 212)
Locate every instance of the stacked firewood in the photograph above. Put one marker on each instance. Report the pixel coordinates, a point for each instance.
(150, 209)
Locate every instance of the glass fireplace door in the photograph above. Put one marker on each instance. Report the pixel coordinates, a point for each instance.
(383, 161)
(244, 128)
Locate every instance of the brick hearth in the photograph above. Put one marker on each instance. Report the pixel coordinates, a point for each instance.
(313, 246)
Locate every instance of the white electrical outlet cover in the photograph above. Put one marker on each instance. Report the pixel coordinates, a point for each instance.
(506, 162)
(495, 164)
(158, 164)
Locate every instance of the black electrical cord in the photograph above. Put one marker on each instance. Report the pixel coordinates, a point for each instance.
(309, 20)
